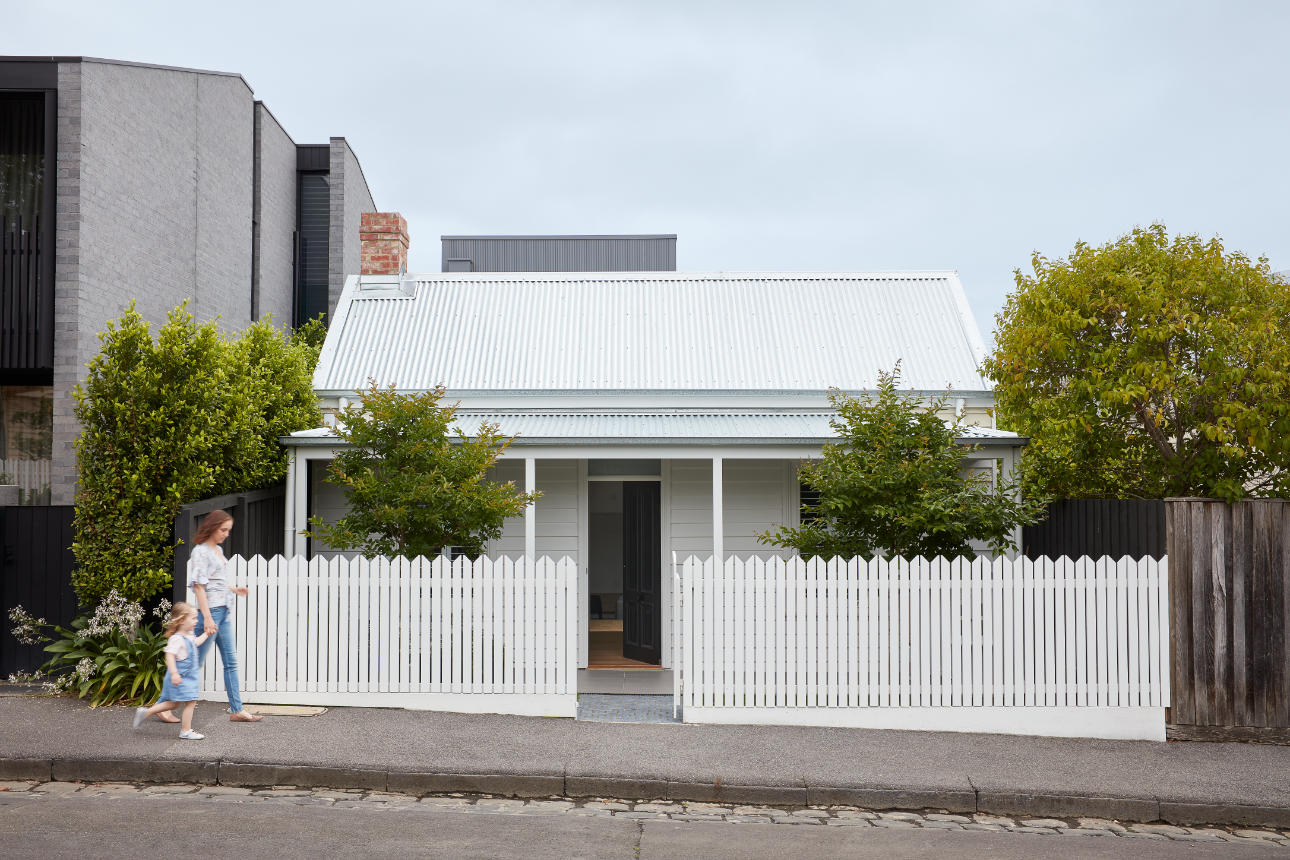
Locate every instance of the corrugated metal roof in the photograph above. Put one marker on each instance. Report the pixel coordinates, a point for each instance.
(655, 332)
(755, 426)
(663, 427)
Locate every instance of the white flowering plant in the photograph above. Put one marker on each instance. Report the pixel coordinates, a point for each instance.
(110, 656)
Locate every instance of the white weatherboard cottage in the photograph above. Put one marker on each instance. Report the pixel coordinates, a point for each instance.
(659, 414)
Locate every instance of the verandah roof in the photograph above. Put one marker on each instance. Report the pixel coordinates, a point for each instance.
(709, 428)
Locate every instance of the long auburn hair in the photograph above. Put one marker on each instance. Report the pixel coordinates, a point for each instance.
(209, 524)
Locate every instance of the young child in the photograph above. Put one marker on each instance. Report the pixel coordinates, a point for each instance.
(182, 670)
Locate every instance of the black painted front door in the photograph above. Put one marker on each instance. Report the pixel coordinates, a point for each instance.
(642, 598)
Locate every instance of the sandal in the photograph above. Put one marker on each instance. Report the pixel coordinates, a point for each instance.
(244, 717)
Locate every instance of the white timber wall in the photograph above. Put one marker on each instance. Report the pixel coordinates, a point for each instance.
(488, 636)
(1071, 648)
(557, 510)
(329, 504)
(758, 495)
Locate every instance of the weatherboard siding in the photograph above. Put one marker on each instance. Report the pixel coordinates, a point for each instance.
(557, 510)
(757, 495)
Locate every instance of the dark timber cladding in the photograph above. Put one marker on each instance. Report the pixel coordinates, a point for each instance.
(1098, 527)
(1230, 612)
(643, 253)
(36, 564)
(259, 517)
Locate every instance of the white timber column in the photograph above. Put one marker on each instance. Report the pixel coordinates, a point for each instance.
(299, 521)
(530, 511)
(1010, 473)
(718, 515)
(289, 514)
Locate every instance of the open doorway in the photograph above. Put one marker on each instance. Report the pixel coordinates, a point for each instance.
(625, 596)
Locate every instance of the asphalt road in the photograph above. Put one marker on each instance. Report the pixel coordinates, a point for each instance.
(81, 825)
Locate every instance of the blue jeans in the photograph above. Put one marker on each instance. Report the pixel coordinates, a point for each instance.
(227, 652)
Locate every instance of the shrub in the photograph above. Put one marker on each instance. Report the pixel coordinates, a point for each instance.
(415, 484)
(108, 657)
(169, 421)
(893, 484)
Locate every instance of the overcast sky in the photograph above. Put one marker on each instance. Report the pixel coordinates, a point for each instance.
(767, 135)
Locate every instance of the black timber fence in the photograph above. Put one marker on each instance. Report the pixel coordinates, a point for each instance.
(36, 564)
(1098, 527)
(259, 517)
(36, 559)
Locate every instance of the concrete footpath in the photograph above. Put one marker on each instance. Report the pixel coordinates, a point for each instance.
(418, 752)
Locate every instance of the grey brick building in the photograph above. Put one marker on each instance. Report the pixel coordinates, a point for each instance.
(126, 182)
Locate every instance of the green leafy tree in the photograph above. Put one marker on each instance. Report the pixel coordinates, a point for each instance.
(414, 484)
(272, 397)
(894, 485)
(1148, 367)
(169, 421)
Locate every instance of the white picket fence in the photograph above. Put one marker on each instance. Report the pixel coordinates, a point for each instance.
(1054, 647)
(489, 636)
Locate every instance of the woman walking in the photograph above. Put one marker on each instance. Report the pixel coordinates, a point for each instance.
(207, 572)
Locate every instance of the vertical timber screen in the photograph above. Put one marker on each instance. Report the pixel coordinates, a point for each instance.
(258, 521)
(36, 564)
(1098, 527)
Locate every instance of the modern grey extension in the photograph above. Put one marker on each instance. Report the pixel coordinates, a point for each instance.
(123, 182)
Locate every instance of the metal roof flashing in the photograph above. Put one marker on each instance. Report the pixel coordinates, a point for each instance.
(387, 286)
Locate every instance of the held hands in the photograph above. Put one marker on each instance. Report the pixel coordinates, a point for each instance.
(240, 590)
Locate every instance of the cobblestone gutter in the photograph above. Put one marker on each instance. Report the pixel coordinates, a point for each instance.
(779, 816)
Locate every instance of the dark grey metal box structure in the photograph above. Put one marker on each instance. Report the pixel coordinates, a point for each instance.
(632, 253)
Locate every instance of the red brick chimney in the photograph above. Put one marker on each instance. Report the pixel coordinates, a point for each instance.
(385, 243)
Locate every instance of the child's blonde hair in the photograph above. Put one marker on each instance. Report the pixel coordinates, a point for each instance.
(178, 613)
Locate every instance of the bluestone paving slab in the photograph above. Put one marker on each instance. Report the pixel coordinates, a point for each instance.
(421, 751)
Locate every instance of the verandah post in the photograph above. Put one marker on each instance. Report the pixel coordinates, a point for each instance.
(718, 516)
(530, 510)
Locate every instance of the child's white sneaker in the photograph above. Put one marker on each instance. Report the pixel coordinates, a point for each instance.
(140, 714)
(191, 735)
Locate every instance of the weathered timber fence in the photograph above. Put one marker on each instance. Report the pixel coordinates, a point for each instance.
(258, 522)
(1052, 647)
(1098, 527)
(488, 636)
(1229, 574)
(36, 564)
